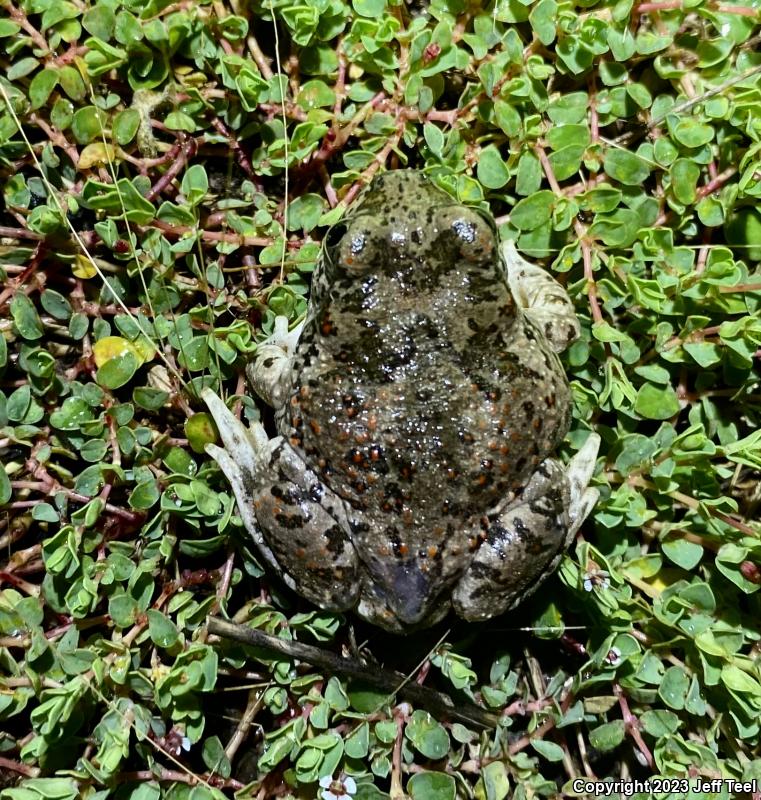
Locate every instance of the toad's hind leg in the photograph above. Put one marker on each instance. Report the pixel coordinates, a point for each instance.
(544, 301)
(527, 539)
(299, 526)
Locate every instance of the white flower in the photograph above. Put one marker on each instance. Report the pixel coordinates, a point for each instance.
(337, 789)
(597, 579)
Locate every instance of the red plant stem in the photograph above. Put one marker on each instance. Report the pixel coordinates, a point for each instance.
(632, 725)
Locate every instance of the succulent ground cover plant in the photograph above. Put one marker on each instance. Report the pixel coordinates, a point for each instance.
(168, 172)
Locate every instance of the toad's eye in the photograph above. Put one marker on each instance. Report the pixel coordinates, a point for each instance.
(474, 233)
(357, 245)
(465, 231)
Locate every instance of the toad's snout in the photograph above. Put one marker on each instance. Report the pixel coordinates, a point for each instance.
(408, 592)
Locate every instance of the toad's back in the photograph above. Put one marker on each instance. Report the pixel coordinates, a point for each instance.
(421, 394)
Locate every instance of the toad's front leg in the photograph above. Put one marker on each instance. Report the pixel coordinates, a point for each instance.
(527, 539)
(544, 301)
(299, 526)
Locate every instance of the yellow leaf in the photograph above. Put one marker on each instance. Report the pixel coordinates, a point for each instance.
(95, 155)
(83, 267)
(144, 348)
(114, 347)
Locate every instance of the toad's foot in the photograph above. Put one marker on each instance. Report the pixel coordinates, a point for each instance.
(294, 519)
(270, 371)
(526, 540)
(544, 301)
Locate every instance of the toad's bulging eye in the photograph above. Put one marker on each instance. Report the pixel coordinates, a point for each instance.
(466, 231)
(474, 234)
(357, 244)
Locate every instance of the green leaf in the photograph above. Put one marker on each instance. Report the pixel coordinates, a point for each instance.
(144, 495)
(673, 688)
(533, 211)
(195, 184)
(608, 736)
(656, 402)
(125, 125)
(507, 117)
(25, 317)
(163, 631)
(434, 138)
(491, 169)
(305, 211)
(626, 167)
(214, 757)
(684, 180)
(369, 8)
(42, 86)
(55, 304)
(316, 94)
(683, 552)
(427, 735)
(543, 18)
(117, 371)
(5, 487)
(99, 21)
(431, 786)
(691, 132)
(548, 749)
(123, 609)
(493, 783)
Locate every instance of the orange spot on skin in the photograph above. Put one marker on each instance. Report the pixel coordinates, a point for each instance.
(361, 437)
(300, 552)
(432, 550)
(407, 518)
(403, 549)
(316, 429)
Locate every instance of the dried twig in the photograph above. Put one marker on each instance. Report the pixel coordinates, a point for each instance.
(439, 704)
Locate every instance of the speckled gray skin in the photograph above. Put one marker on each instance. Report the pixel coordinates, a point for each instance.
(418, 407)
